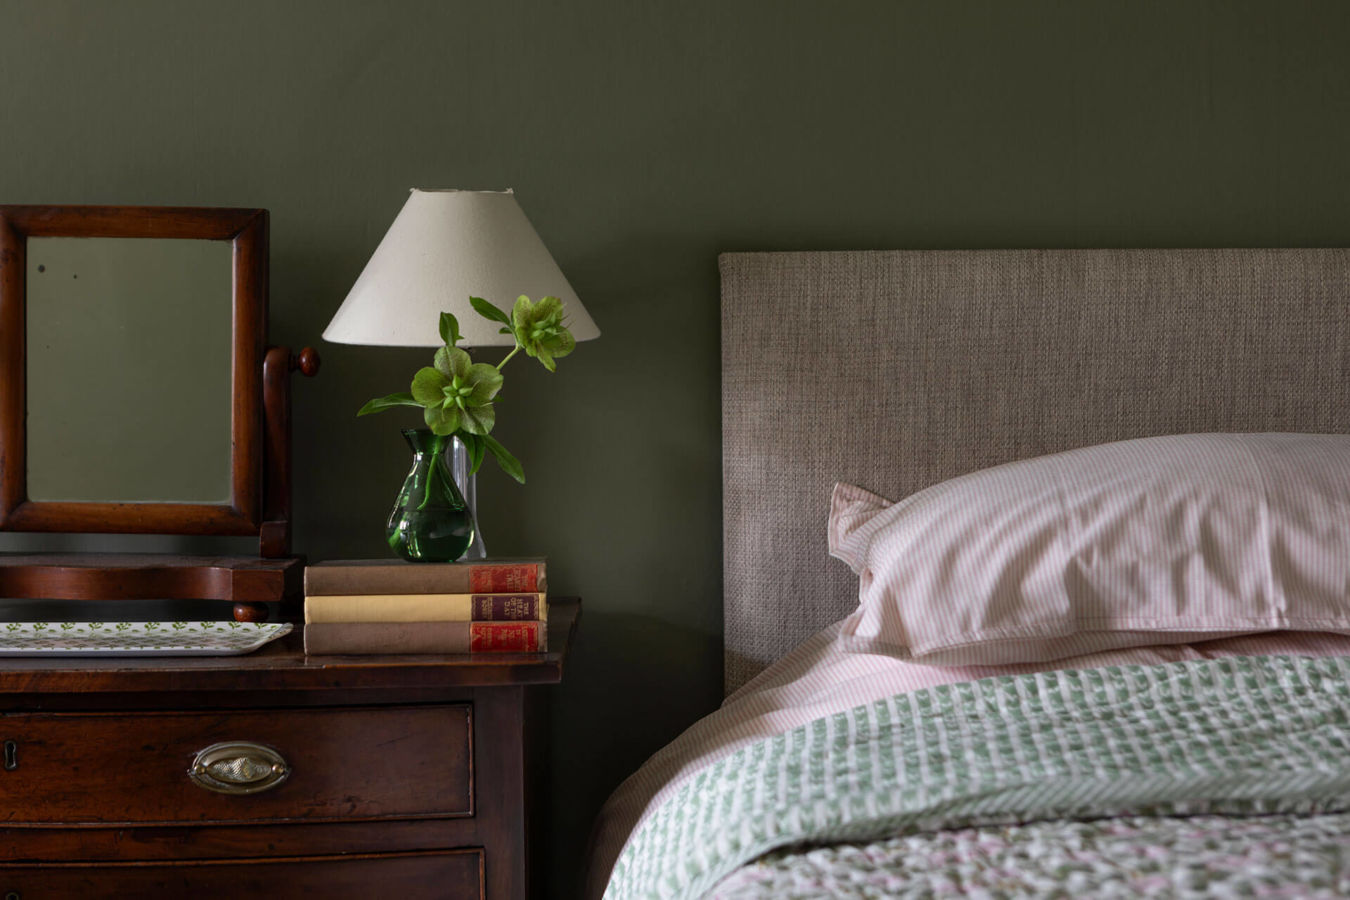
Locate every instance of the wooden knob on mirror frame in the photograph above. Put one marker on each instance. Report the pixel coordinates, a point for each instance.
(307, 361)
(250, 612)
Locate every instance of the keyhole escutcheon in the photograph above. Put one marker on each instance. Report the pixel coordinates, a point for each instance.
(11, 756)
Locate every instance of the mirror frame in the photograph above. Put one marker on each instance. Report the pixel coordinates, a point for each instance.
(246, 230)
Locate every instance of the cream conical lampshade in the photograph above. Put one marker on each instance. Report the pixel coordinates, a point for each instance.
(445, 247)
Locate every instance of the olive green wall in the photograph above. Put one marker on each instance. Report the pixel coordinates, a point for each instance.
(643, 138)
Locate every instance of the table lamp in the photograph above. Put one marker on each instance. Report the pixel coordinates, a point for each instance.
(444, 247)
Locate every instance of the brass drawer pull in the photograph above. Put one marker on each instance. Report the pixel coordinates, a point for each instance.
(238, 767)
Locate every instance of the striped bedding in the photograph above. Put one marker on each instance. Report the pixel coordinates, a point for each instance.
(827, 747)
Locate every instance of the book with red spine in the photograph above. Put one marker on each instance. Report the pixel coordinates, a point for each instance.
(379, 638)
(425, 607)
(385, 576)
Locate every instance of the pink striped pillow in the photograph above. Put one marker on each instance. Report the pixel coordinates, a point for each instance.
(1162, 540)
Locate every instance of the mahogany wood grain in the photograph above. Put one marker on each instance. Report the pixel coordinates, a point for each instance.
(501, 787)
(444, 875)
(223, 695)
(283, 666)
(138, 576)
(500, 812)
(127, 518)
(348, 764)
(307, 362)
(251, 281)
(250, 612)
(278, 364)
(190, 222)
(274, 536)
(260, 448)
(206, 841)
(246, 229)
(13, 380)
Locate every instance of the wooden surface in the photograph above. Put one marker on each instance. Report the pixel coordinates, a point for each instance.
(283, 665)
(274, 533)
(347, 763)
(260, 426)
(410, 776)
(246, 229)
(192, 222)
(410, 876)
(135, 576)
(13, 374)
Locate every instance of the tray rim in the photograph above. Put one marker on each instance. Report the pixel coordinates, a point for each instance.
(265, 632)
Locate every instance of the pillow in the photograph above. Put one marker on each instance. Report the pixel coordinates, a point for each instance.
(1163, 540)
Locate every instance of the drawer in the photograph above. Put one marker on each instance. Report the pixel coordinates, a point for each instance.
(412, 876)
(338, 764)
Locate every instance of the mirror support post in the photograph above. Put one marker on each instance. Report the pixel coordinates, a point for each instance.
(274, 538)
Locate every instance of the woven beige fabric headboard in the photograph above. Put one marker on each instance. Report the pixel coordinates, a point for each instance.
(895, 370)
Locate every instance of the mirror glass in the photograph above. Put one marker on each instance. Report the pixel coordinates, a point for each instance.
(128, 369)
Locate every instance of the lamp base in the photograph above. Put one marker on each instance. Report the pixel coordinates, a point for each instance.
(468, 486)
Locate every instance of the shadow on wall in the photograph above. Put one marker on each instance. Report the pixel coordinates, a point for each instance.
(610, 714)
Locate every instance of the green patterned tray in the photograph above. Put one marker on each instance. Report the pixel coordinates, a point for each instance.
(136, 638)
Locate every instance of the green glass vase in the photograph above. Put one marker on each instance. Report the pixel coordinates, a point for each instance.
(430, 522)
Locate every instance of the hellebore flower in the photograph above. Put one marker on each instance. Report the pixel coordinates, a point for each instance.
(540, 331)
(457, 393)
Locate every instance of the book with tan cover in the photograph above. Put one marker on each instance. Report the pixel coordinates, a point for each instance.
(425, 608)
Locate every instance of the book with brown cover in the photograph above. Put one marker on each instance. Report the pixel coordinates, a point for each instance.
(371, 638)
(425, 607)
(386, 576)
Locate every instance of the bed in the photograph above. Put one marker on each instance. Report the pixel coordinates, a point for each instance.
(1199, 755)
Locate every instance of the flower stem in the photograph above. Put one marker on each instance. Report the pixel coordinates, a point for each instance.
(513, 352)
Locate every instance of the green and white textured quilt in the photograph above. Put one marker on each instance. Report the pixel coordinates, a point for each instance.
(1237, 736)
(1200, 857)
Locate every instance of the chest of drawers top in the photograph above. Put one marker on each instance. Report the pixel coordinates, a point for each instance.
(282, 666)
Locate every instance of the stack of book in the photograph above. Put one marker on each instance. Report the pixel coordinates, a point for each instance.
(381, 606)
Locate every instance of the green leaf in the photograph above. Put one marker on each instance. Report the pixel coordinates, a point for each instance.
(473, 445)
(441, 420)
(488, 311)
(478, 450)
(450, 329)
(428, 386)
(510, 465)
(380, 404)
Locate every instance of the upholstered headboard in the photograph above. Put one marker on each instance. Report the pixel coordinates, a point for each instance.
(896, 370)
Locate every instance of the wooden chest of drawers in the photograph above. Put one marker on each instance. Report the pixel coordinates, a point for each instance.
(404, 777)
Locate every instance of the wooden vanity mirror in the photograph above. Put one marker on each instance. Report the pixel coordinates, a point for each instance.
(143, 400)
